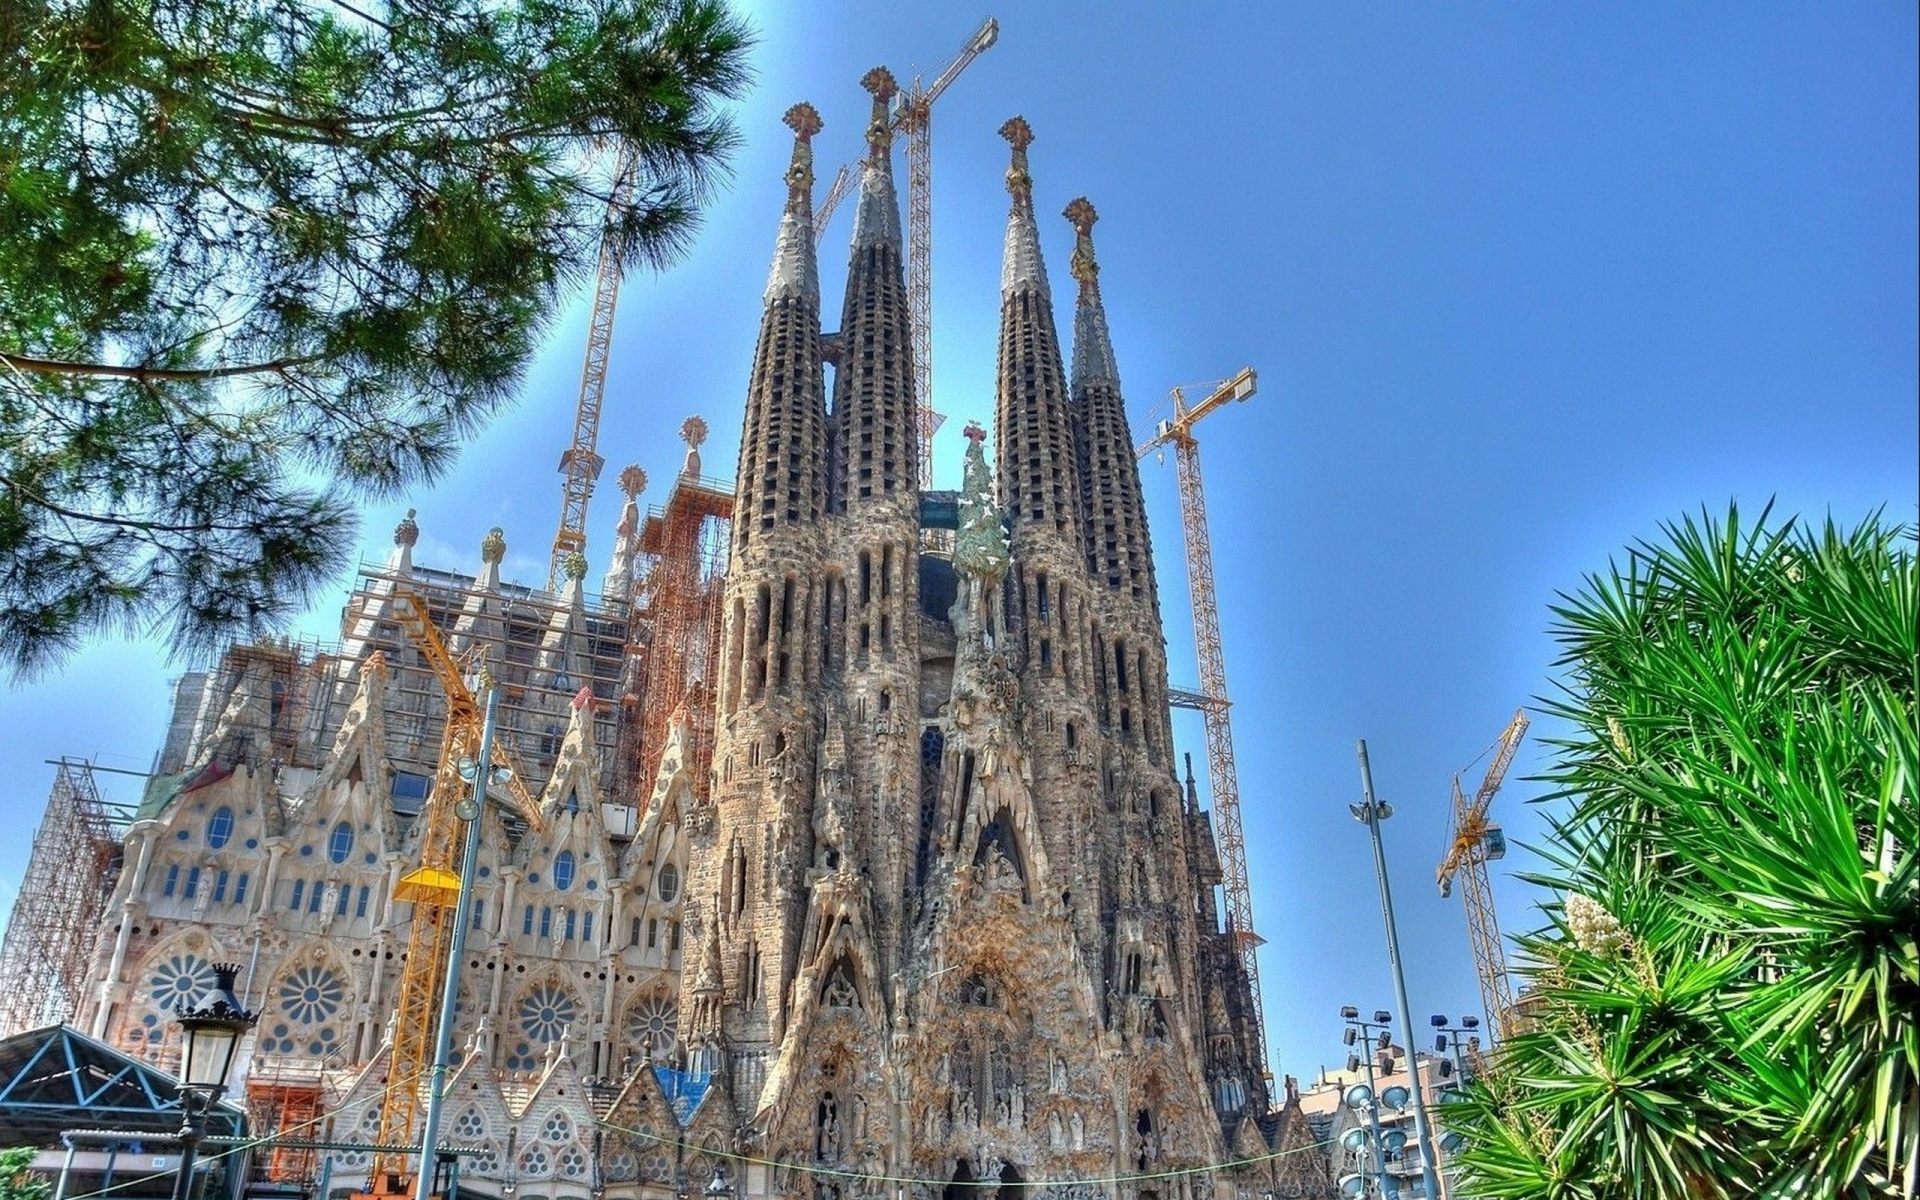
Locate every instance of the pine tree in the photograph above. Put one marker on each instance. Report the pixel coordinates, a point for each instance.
(1725, 1002)
(17, 1178)
(263, 259)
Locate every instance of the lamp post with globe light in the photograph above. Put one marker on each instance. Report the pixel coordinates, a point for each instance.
(210, 1033)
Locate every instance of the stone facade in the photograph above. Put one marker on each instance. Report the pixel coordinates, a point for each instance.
(931, 907)
(951, 912)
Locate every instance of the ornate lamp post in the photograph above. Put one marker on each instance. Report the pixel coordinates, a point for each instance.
(211, 1035)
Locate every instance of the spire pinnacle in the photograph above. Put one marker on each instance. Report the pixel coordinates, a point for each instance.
(805, 121)
(1021, 265)
(1092, 346)
(880, 84)
(795, 270)
(1019, 183)
(1081, 213)
(877, 219)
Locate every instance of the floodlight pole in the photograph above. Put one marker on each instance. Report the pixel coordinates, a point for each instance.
(462, 916)
(1370, 813)
(1373, 1117)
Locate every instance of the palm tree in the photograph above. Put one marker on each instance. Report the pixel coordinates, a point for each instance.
(1723, 1002)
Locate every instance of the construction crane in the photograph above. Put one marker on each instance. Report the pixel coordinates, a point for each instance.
(1474, 842)
(580, 465)
(433, 888)
(1222, 775)
(913, 116)
(836, 192)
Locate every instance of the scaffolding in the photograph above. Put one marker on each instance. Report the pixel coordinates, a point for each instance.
(684, 546)
(58, 912)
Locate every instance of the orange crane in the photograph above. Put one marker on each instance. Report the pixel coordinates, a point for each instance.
(913, 116)
(580, 465)
(433, 888)
(1222, 776)
(1474, 842)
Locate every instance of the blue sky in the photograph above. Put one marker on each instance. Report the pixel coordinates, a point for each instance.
(1521, 282)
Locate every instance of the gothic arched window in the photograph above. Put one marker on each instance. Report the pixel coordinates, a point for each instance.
(340, 843)
(563, 870)
(219, 827)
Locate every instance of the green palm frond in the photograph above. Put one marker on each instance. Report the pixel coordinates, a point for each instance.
(1736, 787)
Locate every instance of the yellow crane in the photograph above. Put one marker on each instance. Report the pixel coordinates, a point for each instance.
(1222, 775)
(913, 116)
(580, 464)
(432, 888)
(1474, 842)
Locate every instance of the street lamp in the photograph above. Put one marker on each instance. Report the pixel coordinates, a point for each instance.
(1371, 812)
(1461, 1042)
(211, 1035)
(482, 774)
(1363, 1098)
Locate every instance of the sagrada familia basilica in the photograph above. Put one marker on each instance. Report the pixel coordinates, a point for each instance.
(870, 873)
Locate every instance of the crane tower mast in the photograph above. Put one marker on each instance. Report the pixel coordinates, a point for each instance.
(580, 465)
(1222, 774)
(432, 888)
(1473, 842)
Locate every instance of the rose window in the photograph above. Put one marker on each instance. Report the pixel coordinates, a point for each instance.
(651, 1025)
(312, 994)
(486, 1163)
(557, 1128)
(546, 1012)
(536, 1163)
(573, 1162)
(544, 1015)
(183, 981)
(471, 1125)
(622, 1167)
(659, 1169)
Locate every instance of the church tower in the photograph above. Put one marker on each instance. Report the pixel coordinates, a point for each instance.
(947, 906)
(746, 886)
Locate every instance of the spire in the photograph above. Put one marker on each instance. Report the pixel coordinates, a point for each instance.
(1118, 551)
(1022, 266)
(693, 431)
(618, 584)
(405, 535)
(783, 437)
(563, 650)
(877, 455)
(360, 624)
(795, 270)
(479, 620)
(1092, 347)
(878, 217)
(1039, 487)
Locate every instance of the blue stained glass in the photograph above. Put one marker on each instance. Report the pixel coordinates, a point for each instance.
(546, 1011)
(563, 870)
(341, 843)
(312, 994)
(184, 979)
(219, 827)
